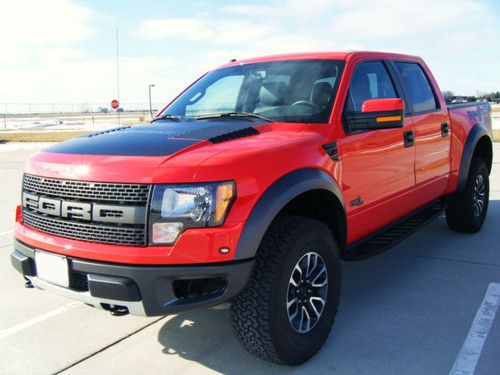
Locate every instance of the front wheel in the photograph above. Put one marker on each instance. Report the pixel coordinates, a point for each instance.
(286, 312)
(466, 210)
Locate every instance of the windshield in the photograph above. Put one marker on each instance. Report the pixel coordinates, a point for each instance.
(286, 91)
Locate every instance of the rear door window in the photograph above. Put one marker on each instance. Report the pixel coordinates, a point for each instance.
(419, 89)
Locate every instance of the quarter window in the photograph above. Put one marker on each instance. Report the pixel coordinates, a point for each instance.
(420, 94)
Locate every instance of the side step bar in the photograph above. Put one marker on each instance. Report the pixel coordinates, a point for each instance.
(392, 234)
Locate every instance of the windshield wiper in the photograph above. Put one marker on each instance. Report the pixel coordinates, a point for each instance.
(167, 117)
(232, 114)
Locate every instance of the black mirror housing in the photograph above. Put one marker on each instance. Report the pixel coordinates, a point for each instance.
(385, 113)
(359, 121)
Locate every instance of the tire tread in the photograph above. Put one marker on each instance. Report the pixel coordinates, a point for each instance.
(250, 310)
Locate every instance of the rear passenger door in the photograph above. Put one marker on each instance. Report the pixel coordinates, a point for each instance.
(377, 167)
(431, 130)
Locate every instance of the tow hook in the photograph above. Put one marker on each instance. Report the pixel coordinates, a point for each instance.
(28, 283)
(116, 310)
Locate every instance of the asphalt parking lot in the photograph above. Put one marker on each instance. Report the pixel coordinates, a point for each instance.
(407, 311)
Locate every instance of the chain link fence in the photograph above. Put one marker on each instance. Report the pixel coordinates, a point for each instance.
(72, 115)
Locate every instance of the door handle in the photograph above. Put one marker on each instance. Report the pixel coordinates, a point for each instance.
(409, 138)
(445, 129)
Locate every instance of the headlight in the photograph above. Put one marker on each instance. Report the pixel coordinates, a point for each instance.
(175, 208)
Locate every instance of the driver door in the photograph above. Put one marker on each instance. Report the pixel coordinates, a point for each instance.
(378, 165)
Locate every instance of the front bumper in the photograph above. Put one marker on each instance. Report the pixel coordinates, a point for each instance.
(142, 290)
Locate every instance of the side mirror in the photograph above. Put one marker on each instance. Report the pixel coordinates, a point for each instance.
(377, 114)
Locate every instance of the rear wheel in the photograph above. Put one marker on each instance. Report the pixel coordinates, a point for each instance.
(466, 210)
(285, 313)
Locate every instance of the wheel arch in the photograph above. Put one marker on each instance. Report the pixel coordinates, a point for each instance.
(478, 144)
(309, 191)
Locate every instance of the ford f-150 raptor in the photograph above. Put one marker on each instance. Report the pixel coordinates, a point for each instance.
(250, 187)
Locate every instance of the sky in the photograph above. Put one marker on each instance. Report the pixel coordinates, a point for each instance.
(64, 51)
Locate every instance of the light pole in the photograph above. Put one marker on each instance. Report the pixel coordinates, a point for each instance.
(150, 106)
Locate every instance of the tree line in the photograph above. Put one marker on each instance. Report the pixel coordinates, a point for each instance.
(450, 97)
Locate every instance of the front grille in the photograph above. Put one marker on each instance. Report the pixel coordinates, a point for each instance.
(95, 191)
(113, 194)
(86, 232)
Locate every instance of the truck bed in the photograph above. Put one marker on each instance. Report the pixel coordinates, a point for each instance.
(475, 112)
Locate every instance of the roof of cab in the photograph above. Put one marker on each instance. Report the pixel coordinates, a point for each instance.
(319, 55)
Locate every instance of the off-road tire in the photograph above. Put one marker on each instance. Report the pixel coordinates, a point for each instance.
(260, 316)
(460, 214)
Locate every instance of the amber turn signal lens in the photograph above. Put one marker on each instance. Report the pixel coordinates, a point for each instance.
(223, 198)
(388, 118)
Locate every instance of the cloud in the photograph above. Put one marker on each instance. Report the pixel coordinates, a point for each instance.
(52, 55)
(396, 19)
(51, 58)
(181, 28)
(312, 8)
(48, 22)
(250, 10)
(43, 31)
(295, 9)
(443, 33)
(92, 80)
(40, 42)
(289, 24)
(223, 31)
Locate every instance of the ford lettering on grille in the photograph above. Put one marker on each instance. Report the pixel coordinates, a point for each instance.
(84, 211)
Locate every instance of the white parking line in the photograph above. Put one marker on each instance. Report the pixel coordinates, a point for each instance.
(7, 232)
(471, 350)
(28, 323)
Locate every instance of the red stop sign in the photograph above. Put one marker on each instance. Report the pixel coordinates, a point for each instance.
(115, 104)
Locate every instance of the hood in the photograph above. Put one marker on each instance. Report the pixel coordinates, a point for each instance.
(158, 139)
(183, 152)
(140, 153)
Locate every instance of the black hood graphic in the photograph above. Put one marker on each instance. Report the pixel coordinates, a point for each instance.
(157, 139)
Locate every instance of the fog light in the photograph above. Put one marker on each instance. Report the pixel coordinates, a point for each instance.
(166, 233)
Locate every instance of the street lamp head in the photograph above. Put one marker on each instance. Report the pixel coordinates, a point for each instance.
(151, 85)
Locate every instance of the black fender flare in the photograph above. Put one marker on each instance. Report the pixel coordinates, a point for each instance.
(275, 198)
(477, 132)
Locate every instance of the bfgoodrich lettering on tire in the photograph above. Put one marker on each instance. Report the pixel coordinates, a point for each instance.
(286, 312)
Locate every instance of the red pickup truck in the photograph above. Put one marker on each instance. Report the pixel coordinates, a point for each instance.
(251, 186)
